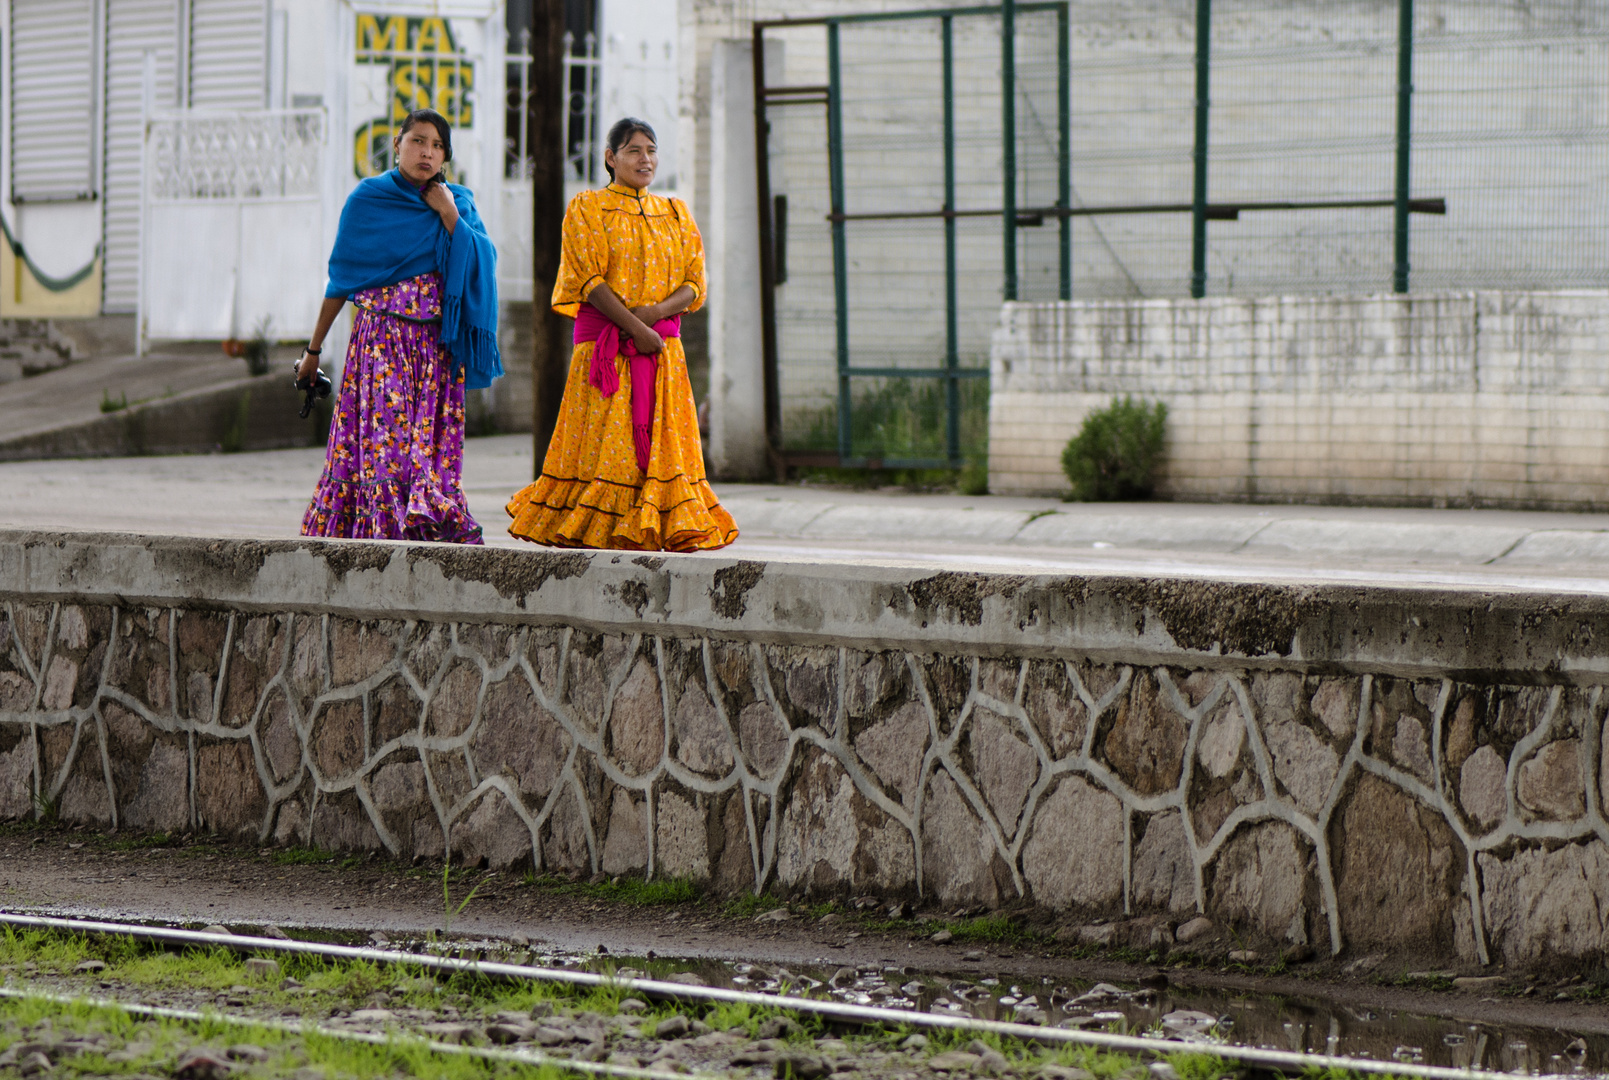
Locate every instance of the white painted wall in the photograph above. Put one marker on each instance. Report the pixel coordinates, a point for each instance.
(1484, 398)
(737, 447)
(639, 43)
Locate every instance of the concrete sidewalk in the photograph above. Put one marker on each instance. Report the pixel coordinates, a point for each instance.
(264, 494)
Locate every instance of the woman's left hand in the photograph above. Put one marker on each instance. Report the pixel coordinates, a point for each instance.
(648, 313)
(439, 199)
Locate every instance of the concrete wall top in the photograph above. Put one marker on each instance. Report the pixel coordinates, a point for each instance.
(1483, 635)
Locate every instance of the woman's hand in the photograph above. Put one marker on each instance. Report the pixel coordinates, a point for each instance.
(648, 313)
(648, 341)
(439, 199)
(306, 366)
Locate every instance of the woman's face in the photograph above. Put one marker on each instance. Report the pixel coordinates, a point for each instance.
(420, 152)
(636, 162)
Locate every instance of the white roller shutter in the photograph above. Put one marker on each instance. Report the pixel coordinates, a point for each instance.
(134, 27)
(228, 54)
(52, 99)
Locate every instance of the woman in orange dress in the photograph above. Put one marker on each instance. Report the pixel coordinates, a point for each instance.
(624, 468)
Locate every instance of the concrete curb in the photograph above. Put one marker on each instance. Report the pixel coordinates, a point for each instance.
(1482, 635)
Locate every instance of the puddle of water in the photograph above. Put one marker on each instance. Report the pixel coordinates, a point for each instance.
(1195, 1016)
(1199, 1016)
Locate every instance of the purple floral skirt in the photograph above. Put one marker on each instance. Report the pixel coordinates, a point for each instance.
(393, 466)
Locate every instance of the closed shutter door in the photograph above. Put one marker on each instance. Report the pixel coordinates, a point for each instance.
(228, 54)
(133, 28)
(52, 99)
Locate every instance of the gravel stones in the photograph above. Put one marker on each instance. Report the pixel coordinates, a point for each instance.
(262, 966)
(777, 1027)
(448, 1032)
(201, 1064)
(800, 1065)
(673, 1027)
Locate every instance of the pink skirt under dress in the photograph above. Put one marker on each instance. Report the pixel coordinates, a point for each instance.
(393, 467)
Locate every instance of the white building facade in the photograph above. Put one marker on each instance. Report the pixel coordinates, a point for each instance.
(186, 161)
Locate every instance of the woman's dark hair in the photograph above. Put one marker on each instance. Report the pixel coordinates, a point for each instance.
(621, 134)
(434, 118)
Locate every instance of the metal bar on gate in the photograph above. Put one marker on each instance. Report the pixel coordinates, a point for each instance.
(945, 372)
(768, 301)
(840, 256)
(1064, 164)
(1198, 212)
(914, 13)
(952, 357)
(1229, 211)
(1008, 141)
(1399, 270)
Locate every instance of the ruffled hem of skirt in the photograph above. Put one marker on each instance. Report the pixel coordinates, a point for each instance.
(351, 510)
(663, 515)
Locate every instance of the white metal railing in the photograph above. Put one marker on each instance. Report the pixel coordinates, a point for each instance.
(241, 155)
(580, 84)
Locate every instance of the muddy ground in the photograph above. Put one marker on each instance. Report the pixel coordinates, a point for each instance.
(82, 874)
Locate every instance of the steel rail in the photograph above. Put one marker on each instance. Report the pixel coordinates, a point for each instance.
(838, 1011)
(523, 1057)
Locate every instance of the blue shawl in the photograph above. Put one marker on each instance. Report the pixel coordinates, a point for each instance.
(389, 234)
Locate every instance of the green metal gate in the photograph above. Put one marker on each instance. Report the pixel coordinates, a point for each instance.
(916, 170)
(904, 403)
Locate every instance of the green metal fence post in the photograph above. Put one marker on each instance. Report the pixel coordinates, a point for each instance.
(1008, 138)
(952, 357)
(840, 257)
(1399, 270)
(1064, 130)
(1198, 202)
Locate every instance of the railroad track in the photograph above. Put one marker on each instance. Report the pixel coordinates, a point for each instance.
(836, 1012)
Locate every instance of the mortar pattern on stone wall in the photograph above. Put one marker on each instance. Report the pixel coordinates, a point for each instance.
(1267, 798)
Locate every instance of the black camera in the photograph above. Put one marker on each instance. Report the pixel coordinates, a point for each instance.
(318, 386)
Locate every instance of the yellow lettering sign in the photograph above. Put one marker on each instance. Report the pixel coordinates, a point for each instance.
(433, 36)
(426, 72)
(373, 38)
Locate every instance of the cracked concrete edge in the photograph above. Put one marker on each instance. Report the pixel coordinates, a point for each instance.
(1473, 634)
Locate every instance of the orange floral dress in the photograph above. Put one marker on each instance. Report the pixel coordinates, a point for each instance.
(591, 492)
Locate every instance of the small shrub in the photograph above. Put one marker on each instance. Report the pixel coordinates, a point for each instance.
(1114, 455)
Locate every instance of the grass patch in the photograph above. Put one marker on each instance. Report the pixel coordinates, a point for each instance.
(625, 890)
(141, 842)
(300, 856)
(126, 1045)
(748, 905)
(990, 929)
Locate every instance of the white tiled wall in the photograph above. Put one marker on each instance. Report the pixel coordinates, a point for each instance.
(1487, 398)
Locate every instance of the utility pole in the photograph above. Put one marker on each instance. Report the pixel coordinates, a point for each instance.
(549, 107)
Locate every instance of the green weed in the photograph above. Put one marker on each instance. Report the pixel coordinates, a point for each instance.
(1115, 454)
(902, 418)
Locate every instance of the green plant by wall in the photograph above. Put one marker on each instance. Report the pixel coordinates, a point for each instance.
(1115, 453)
(234, 436)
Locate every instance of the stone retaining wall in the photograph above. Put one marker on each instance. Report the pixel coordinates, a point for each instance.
(1350, 768)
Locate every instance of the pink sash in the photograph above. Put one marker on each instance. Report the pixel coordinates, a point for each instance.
(594, 326)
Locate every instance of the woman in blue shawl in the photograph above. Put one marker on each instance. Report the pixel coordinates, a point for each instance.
(412, 255)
